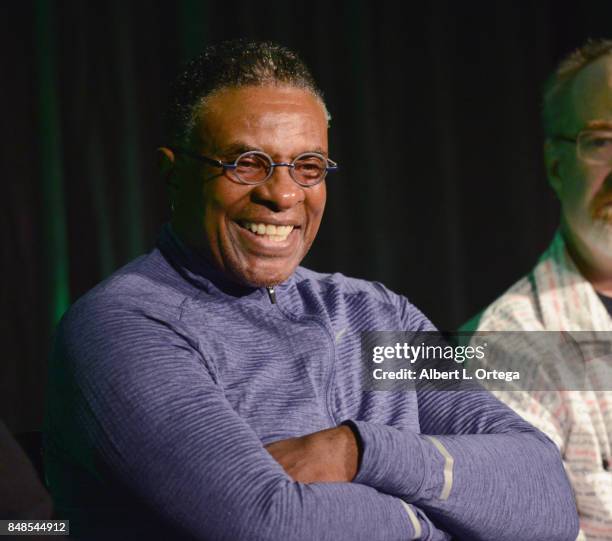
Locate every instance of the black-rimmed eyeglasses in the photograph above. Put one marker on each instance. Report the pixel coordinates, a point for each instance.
(255, 167)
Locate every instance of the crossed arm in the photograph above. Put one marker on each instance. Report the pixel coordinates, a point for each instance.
(157, 418)
(477, 479)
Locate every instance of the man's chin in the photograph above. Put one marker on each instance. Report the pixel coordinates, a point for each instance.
(263, 277)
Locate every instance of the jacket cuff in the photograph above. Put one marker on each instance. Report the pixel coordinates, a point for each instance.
(397, 462)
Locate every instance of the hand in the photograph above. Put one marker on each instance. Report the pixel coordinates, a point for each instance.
(328, 456)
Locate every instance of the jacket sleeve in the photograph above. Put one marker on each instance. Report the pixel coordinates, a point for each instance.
(148, 405)
(477, 469)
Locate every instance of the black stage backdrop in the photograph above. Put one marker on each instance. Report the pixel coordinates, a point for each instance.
(441, 196)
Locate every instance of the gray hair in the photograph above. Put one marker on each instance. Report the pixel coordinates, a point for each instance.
(559, 83)
(231, 64)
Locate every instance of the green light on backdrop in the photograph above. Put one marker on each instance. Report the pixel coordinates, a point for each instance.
(53, 211)
(131, 211)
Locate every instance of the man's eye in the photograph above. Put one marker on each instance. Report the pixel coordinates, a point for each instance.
(601, 142)
(250, 163)
(598, 142)
(310, 166)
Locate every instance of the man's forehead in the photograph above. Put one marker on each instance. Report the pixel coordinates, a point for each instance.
(250, 115)
(249, 102)
(591, 94)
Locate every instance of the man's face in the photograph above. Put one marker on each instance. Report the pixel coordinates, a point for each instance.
(585, 189)
(217, 215)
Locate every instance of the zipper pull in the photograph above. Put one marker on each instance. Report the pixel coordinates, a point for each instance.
(271, 294)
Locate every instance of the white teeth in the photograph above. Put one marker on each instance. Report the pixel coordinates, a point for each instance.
(276, 233)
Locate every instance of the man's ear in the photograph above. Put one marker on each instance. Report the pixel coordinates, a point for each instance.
(165, 163)
(552, 161)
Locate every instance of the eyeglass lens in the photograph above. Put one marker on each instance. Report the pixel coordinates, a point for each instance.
(253, 167)
(596, 146)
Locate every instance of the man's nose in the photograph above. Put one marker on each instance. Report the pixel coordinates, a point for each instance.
(280, 192)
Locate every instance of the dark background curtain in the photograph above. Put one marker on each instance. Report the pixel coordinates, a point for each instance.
(442, 194)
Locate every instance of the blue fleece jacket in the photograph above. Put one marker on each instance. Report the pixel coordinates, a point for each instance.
(166, 382)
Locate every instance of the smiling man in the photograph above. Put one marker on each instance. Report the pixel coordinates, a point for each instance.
(570, 289)
(254, 230)
(212, 389)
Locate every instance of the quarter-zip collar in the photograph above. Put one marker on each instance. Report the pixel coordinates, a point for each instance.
(198, 270)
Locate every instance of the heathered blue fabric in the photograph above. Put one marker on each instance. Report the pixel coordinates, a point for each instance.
(166, 381)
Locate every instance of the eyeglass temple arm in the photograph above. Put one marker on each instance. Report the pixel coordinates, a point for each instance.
(199, 157)
(332, 165)
(564, 138)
